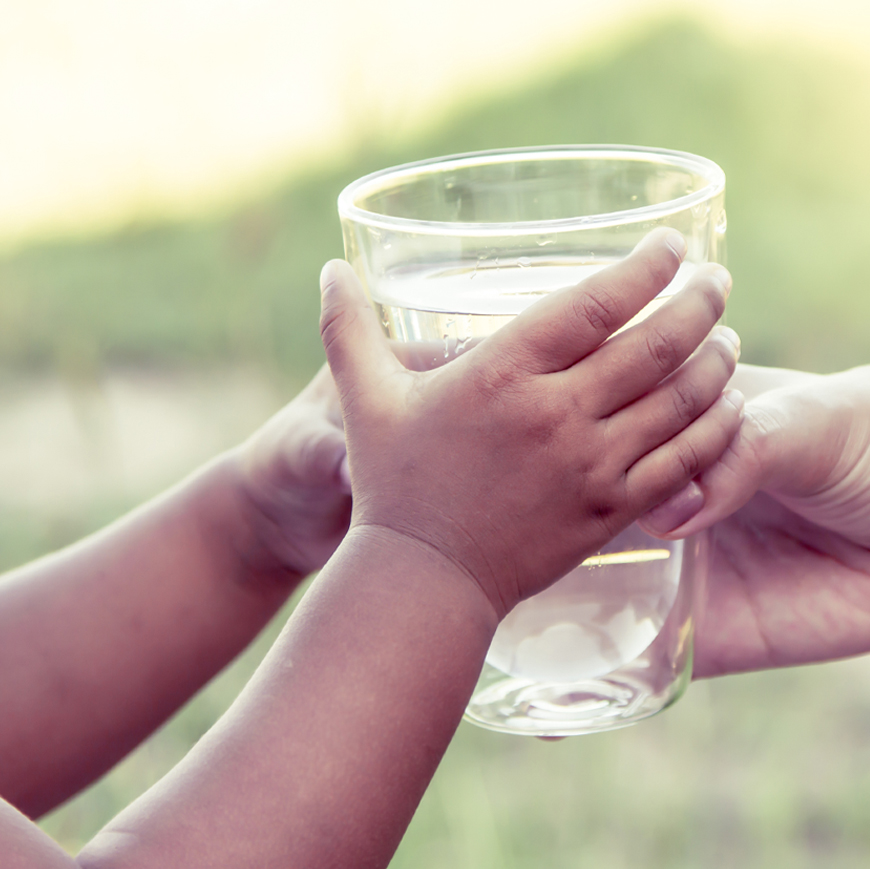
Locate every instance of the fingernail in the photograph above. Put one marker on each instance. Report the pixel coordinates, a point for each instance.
(327, 275)
(676, 243)
(735, 397)
(344, 474)
(721, 274)
(730, 337)
(676, 511)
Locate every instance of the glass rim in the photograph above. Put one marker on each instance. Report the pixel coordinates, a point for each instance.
(703, 166)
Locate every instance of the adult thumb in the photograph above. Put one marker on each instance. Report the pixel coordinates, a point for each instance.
(356, 348)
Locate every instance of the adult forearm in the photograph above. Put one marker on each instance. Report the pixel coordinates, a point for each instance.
(326, 754)
(101, 642)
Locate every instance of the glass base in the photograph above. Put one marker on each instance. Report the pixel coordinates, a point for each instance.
(520, 706)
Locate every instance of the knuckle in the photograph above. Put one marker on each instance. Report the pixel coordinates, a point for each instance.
(689, 459)
(598, 308)
(686, 400)
(662, 349)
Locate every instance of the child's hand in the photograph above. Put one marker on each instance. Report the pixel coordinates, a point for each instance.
(529, 452)
(295, 479)
(790, 571)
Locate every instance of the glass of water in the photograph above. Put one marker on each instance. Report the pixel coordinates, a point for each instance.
(448, 250)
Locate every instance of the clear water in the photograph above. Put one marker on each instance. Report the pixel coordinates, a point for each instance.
(606, 612)
(442, 312)
(599, 617)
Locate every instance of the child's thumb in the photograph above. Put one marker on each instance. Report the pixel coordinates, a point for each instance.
(356, 348)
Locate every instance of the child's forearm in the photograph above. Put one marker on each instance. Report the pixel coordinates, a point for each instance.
(326, 754)
(101, 642)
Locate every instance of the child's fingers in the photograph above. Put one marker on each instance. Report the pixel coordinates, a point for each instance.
(663, 472)
(633, 362)
(356, 349)
(568, 324)
(681, 398)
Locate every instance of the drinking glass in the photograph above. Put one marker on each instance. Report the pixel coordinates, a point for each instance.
(450, 249)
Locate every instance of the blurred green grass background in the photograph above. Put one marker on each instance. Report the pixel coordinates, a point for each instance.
(788, 125)
(765, 770)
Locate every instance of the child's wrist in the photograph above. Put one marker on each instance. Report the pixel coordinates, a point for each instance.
(437, 575)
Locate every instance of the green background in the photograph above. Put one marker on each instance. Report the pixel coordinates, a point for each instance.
(762, 770)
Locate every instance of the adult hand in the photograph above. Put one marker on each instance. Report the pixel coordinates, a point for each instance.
(790, 506)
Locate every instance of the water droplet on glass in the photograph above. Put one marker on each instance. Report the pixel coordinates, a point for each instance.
(544, 240)
(448, 325)
(465, 330)
(524, 262)
(722, 223)
(701, 210)
(634, 198)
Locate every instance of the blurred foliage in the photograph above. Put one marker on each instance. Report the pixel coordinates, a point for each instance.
(788, 124)
(770, 770)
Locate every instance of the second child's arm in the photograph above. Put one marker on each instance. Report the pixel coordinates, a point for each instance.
(101, 642)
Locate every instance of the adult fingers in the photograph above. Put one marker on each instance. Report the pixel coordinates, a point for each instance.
(665, 471)
(357, 350)
(635, 361)
(681, 398)
(751, 458)
(568, 324)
